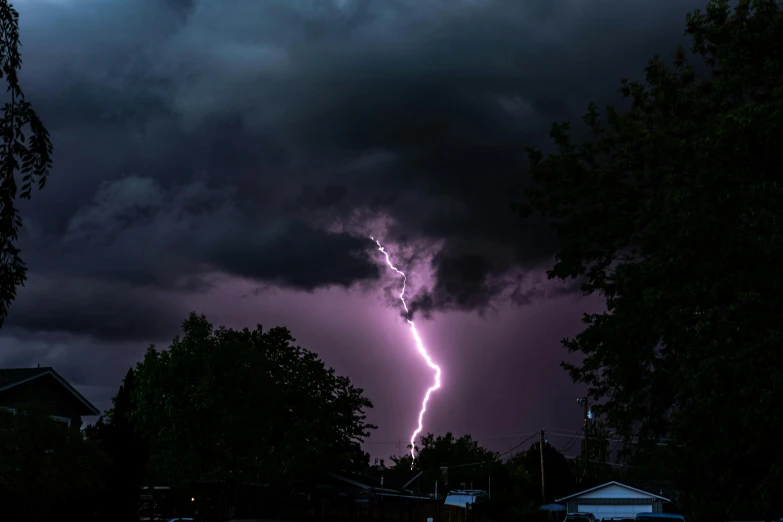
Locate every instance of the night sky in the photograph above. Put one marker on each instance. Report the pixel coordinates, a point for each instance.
(233, 156)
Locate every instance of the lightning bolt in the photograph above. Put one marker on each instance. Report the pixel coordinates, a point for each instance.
(422, 351)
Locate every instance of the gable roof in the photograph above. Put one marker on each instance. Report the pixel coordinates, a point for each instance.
(393, 479)
(11, 377)
(613, 483)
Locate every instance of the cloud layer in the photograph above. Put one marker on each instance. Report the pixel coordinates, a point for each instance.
(264, 140)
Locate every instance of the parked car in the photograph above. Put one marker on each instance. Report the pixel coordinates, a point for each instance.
(660, 517)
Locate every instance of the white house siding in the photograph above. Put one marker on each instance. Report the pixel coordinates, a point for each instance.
(614, 500)
(609, 511)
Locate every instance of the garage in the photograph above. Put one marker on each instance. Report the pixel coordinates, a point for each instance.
(619, 511)
(613, 500)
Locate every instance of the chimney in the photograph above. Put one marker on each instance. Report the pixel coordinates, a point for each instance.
(382, 464)
(39, 365)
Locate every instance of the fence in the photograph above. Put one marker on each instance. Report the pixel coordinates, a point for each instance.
(443, 513)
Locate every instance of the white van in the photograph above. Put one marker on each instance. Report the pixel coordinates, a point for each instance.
(465, 497)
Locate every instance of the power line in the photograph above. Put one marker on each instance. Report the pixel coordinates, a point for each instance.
(585, 403)
(541, 456)
(479, 463)
(554, 431)
(599, 438)
(611, 434)
(518, 445)
(570, 443)
(494, 437)
(607, 463)
(574, 437)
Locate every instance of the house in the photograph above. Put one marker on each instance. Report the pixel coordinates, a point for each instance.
(44, 390)
(383, 493)
(614, 500)
(379, 482)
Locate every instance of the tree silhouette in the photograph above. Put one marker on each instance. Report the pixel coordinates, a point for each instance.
(559, 475)
(672, 212)
(231, 406)
(127, 454)
(25, 148)
(44, 466)
(452, 462)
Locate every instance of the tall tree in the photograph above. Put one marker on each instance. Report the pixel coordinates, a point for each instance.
(25, 148)
(451, 461)
(127, 454)
(673, 213)
(559, 476)
(596, 449)
(245, 405)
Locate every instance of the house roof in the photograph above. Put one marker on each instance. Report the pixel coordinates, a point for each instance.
(393, 479)
(12, 377)
(613, 483)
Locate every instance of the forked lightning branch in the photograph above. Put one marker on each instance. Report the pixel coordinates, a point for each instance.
(421, 349)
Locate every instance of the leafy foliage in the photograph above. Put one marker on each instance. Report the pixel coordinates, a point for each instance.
(448, 451)
(452, 462)
(43, 464)
(230, 406)
(673, 213)
(515, 484)
(127, 455)
(598, 453)
(25, 148)
(559, 473)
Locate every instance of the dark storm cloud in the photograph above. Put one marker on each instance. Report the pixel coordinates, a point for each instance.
(463, 282)
(294, 255)
(466, 281)
(98, 309)
(238, 135)
(137, 231)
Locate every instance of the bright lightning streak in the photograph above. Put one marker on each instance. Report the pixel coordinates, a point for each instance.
(420, 347)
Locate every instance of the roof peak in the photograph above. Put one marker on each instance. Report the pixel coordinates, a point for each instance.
(12, 377)
(613, 483)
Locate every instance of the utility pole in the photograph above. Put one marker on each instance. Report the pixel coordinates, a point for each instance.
(577, 468)
(586, 404)
(543, 481)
